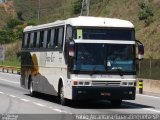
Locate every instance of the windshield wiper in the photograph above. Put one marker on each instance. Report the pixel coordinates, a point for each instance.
(120, 71)
(93, 70)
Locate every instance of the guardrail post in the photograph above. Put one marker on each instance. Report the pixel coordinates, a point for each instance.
(140, 83)
(18, 70)
(12, 70)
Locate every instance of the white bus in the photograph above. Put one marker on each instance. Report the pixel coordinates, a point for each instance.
(81, 58)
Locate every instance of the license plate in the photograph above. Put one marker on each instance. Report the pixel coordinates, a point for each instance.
(105, 94)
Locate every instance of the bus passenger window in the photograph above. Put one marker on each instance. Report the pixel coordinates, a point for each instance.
(34, 39)
(38, 39)
(56, 37)
(41, 39)
(31, 40)
(68, 33)
(48, 38)
(45, 39)
(51, 44)
(27, 40)
(60, 38)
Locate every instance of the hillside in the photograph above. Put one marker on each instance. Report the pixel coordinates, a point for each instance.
(51, 10)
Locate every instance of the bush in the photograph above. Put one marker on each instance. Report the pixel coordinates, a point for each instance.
(145, 13)
(12, 23)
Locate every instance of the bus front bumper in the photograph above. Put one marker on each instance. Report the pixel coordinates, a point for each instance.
(100, 93)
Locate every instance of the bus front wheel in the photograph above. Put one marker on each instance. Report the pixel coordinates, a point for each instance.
(116, 102)
(61, 95)
(31, 89)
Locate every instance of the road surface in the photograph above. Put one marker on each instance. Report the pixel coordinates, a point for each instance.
(15, 102)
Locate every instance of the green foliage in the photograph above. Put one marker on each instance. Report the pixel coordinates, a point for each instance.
(12, 32)
(3, 36)
(31, 22)
(11, 61)
(12, 23)
(19, 15)
(77, 6)
(145, 13)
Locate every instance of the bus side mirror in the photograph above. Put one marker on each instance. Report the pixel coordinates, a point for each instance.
(140, 50)
(71, 48)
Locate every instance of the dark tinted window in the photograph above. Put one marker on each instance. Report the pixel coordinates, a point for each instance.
(108, 34)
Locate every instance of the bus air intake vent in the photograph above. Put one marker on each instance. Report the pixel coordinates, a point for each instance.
(106, 83)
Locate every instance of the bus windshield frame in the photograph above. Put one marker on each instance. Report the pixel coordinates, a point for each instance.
(91, 58)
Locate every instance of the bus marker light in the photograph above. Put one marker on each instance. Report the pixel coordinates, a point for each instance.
(75, 83)
(80, 83)
(87, 83)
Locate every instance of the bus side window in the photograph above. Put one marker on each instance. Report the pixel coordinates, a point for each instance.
(27, 40)
(48, 38)
(52, 38)
(60, 37)
(38, 39)
(68, 33)
(41, 39)
(34, 39)
(56, 37)
(31, 40)
(45, 39)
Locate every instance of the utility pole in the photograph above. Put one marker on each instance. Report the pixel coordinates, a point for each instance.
(85, 8)
(39, 6)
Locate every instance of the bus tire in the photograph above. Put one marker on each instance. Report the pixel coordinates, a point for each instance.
(61, 95)
(116, 102)
(31, 89)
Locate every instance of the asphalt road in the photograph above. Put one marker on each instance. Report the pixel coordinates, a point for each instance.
(16, 103)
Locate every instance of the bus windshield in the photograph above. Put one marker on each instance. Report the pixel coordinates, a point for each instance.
(106, 34)
(104, 57)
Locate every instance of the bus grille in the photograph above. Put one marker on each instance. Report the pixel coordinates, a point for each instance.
(106, 83)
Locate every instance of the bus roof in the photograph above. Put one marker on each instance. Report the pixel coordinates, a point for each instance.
(85, 21)
(99, 22)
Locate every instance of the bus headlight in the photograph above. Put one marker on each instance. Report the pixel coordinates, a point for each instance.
(87, 83)
(82, 83)
(124, 84)
(130, 84)
(127, 84)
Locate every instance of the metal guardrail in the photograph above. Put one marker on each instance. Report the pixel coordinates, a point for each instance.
(10, 69)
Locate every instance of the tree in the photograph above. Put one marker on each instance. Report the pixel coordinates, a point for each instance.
(77, 6)
(19, 15)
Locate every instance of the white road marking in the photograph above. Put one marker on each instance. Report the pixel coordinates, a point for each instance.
(12, 96)
(58, 110)
(148, 96)
(143, 108)
(1, 92)
(151, 110)
(50, 107)
(25, 100)
(39, 104)
(9, 81)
